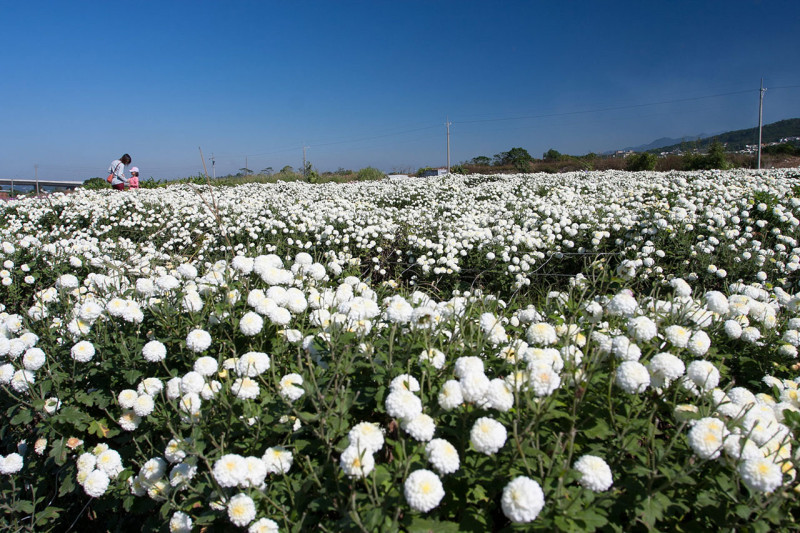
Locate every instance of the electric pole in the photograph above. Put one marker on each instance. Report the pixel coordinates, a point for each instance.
(36, 177)
(760, 119)
(213, 167)
(447, 123)
(304, 163)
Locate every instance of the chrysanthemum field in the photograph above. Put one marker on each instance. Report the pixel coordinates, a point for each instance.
(612, 351)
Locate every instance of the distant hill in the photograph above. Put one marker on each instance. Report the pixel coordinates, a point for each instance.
(736, 140)
(660, 143)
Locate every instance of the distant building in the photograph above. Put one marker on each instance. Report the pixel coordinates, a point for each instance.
(434, 172)
(397, 176)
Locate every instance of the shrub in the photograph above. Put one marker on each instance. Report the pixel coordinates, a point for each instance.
(369, 174)
(96, 183)
(641, 161)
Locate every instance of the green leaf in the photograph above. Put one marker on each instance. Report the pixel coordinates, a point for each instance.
(429, 525)
(24, 416)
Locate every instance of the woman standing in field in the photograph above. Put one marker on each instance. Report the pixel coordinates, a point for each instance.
(117, 170)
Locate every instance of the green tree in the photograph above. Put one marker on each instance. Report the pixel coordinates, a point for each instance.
(519, 158)
(268, 171)
(246, 171)
(552, 155)
(641, 161)
(481, 160)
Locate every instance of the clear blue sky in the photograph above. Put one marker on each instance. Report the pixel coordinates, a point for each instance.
(371, 83)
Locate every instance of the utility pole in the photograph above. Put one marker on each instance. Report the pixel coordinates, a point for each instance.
(760, 119)
(36, 177)
(447, 123)
(213, 167)
(304, 163)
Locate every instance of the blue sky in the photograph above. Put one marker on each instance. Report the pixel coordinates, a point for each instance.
(372, 83)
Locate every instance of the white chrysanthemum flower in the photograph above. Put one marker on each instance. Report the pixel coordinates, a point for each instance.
(699, 343)
(624, 349)
(256, 472)
(682, 289)
(175, 451)
(761, 474)
(180, 522)
(110, 462)
(206, 366)
(595, 473)
(83, 351)
(677, 335)
(522, 500)
(51, 405)
(423, 490)
(366, 436)
(243, 264)
(404, 382)
(291, 386)
(450, 396)
(466, 365)
(34, 359)
(253, 364)
(703, 376)
(278, 460)
(230, 470)
(750, 334)
(181, 474)
(150, 386)
(11, 463)
(6, 373)
(245, 388)
(129, 420)
(716, 302)
(192, 301)
(191, 403)
(421, 427)
(443, 456)
(542, 334)
(403, 404)
(488, 435)
(263, 525)
(192, 382)
(153, 469)
(143, 405)
(632, 377)
(251, 324)
(740, 448)
(474, 386)
(622, 304)
(707, 437)
(86, 462)
(96, 483)
(398, 310)
(665, 368)
(280, 316)
(198, 340)
(154, 351)
(433, 356)
(499, 395)
(542, 378)
(241, 510)
(22, 380)
(642, 328)
(356, 462)
(733, 329)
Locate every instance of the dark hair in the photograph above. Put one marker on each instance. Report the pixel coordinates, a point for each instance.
(126, 159)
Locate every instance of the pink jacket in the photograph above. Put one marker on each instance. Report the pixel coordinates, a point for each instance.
(133, 183)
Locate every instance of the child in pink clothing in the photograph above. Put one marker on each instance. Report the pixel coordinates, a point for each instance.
(133, 183)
